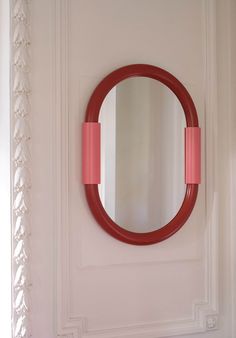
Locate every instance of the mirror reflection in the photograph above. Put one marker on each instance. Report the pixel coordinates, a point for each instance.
(142, 154)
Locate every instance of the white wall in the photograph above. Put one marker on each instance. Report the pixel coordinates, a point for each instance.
(5, 223)
(84, 281)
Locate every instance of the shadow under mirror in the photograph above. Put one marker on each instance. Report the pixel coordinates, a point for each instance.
(142, 154)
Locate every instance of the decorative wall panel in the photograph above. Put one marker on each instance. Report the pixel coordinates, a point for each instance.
(92, 266)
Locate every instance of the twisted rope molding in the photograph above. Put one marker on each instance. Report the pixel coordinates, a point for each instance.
(20, 106)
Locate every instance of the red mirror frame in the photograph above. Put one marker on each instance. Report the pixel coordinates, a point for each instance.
(192, 154)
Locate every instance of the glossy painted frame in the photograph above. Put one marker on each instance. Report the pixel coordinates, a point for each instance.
(91, 190)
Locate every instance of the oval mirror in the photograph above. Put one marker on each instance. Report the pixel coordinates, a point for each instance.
(141, 154)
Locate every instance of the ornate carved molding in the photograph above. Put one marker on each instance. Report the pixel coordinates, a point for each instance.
(21, 180)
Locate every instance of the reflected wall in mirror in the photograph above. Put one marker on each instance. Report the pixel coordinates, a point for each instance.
(142, 154)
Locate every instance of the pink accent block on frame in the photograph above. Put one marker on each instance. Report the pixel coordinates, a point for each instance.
(192, 155)
(91, 139)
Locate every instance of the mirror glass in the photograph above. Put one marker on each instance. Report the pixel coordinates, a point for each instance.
(142, 154)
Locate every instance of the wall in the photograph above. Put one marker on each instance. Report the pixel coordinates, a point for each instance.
(83, 281)
(5, 240)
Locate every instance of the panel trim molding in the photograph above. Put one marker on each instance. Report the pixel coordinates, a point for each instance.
(205, 312)
(20, 166)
